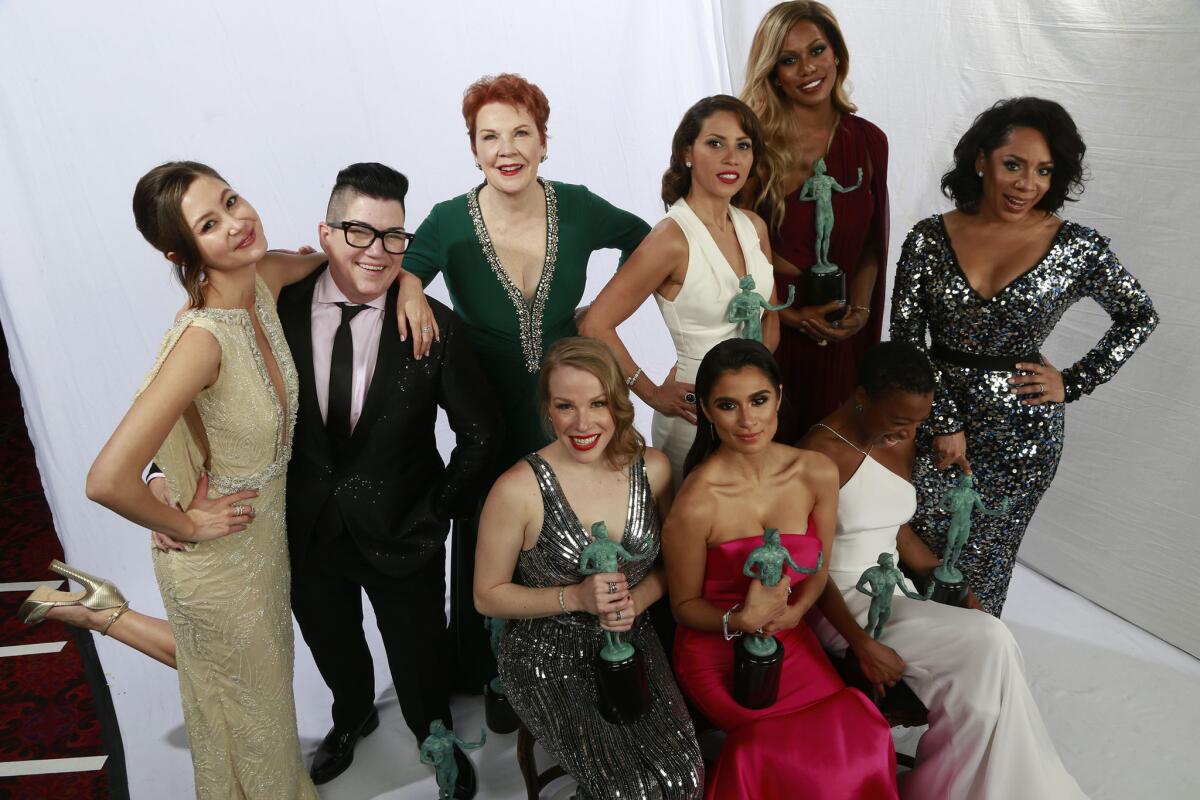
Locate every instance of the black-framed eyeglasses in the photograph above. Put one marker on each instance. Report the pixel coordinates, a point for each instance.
(362, 236)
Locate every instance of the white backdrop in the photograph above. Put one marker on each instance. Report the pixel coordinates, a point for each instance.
(279, 95)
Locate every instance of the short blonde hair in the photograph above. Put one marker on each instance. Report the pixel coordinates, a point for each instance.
(593, 356)
(768, 101)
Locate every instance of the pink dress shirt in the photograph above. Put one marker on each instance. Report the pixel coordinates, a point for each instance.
(365, 328)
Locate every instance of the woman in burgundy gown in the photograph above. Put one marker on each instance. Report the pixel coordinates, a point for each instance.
(819, 739)
(795, 82)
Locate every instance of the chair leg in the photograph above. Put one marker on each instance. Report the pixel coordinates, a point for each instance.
(527, 762)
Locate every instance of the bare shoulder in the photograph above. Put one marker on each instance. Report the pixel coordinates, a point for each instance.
(695, 498)
(658, 466)
(515, 483)
(666, 240)
(808, 465)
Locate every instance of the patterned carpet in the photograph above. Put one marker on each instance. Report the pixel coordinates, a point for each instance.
(48, 706)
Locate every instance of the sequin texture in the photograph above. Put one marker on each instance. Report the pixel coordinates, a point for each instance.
(529, 312)
(546, 666)
(1013, 449)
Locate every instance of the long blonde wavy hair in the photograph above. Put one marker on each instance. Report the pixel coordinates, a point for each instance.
(768, 102)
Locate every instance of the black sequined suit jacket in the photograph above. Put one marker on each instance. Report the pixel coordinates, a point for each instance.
(389, 485)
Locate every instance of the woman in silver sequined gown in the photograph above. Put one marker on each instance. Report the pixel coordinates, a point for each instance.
(538, 518)
(999, 405)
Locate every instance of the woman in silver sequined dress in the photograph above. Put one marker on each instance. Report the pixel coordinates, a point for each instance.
(538, 518)
(989, 281)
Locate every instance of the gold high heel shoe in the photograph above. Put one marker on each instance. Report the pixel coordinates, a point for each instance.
(98, 594)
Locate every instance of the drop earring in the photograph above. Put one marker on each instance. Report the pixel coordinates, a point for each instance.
(543, 159)
(478, 167)
(858, 408)
(979, 173)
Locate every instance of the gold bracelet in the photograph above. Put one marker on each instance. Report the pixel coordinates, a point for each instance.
(121, 609)
(861, 308)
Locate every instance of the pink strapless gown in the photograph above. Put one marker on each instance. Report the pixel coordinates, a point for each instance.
(820, 740)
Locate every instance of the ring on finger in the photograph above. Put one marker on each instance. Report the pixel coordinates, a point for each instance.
(239, 510)
(1041, 388)
(619, 616)
(426, 328)
(689, 397)
(612, 587)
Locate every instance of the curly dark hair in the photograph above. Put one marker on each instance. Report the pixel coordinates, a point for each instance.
(677, 180)
(897, 365)
(992, 128)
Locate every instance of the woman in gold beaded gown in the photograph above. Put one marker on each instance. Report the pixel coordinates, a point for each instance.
(216, 413)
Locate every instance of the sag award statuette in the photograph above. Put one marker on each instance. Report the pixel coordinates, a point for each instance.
(747, 306)
(758, 658)
(497, 711)
(622, 689)
(883, 581)
(826, 281)
(949, 587)
(438, 751)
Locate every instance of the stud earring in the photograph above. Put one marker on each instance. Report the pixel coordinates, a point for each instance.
(543, 159)
(837, 62)
(979, 173)
(687, 164)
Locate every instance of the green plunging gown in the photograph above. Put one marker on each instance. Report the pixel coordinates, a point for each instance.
(509, 334)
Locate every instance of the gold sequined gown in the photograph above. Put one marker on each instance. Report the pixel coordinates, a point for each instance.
(228, 599)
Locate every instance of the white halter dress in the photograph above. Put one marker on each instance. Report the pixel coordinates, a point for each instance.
(697, 317)
(986, 738)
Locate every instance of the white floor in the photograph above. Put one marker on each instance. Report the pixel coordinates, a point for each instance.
(1123, 708)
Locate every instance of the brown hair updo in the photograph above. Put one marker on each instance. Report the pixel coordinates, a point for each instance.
(158, 213)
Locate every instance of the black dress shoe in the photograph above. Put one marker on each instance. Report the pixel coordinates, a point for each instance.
(336, 752)
(467, 783)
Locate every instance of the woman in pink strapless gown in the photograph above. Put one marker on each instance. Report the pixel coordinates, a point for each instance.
(819, 739)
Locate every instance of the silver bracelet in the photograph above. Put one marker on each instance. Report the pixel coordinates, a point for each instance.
(632, 379)
(561, 602)
(725, 623)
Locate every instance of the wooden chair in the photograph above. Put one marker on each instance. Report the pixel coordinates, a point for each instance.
(535, 781)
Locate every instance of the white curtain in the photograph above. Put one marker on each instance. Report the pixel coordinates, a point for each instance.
(279, 95)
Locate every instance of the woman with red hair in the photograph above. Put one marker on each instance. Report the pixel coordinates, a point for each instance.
(514, 252)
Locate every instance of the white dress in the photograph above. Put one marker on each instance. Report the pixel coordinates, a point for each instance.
(697, 317)
(986, 738)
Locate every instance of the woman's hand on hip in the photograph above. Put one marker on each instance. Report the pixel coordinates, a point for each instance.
(1041, 383)
(675, 399)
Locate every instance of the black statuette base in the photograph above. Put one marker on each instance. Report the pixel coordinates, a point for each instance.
(950, 594)
(622, 689)
(498, 712)
(756, 678)
(826, 288)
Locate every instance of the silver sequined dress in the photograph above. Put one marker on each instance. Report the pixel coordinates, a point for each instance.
(1013, 449)
(546, 665)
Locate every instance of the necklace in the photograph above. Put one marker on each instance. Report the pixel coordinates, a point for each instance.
(866, 452)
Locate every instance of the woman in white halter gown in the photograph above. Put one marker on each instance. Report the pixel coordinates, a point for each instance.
(986, 738)
(692, 263)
